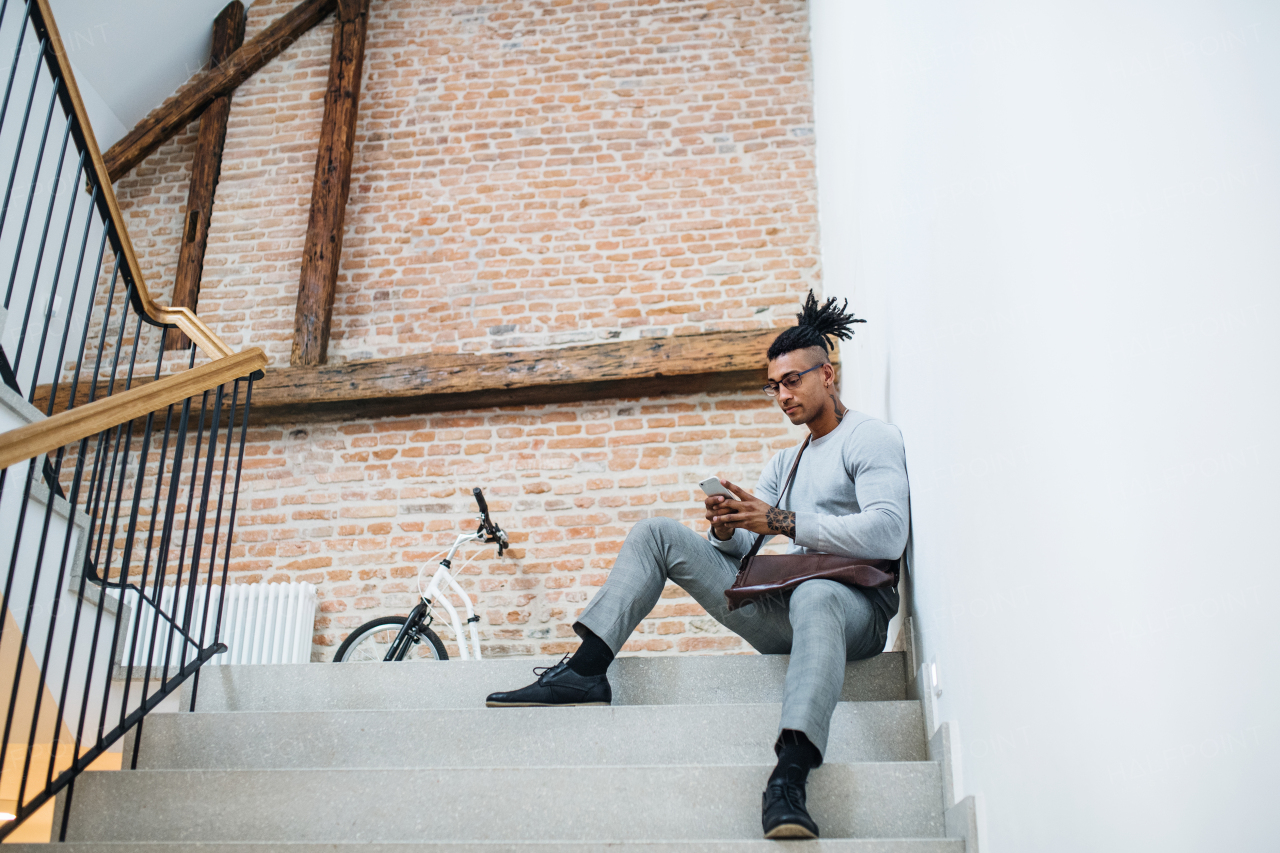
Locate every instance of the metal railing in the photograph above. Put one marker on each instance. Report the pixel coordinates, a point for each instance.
(121, 462)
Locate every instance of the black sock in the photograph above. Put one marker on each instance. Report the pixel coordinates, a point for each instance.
(796, 757)
(593, 656)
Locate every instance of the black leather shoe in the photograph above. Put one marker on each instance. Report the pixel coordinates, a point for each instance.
(556, 685)
(784, 813)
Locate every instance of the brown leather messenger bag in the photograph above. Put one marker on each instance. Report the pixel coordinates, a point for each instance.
(764, 576)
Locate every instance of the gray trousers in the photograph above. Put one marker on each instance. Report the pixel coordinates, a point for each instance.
(822, 625)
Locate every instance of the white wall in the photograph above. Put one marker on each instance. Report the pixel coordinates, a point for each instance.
(129, 55)
(1063, 223)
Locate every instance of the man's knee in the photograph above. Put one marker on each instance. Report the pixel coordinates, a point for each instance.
(649, 544)
(658, 528)
(817, 598)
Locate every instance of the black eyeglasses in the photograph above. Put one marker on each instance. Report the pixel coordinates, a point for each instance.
(792, 381)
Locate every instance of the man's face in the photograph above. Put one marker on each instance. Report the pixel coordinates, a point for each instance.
(804, 402)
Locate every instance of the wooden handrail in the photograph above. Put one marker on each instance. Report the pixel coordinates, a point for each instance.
(27, 442)
(183, 318)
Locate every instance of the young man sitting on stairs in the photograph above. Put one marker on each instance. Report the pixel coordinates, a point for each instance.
(849, 497)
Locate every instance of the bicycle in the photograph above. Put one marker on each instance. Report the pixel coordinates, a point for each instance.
(398, 638)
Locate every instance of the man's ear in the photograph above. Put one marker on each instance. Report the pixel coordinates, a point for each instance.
(828, 374)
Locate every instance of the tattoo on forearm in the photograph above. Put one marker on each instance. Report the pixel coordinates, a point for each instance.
(839, 407)
(781, 521)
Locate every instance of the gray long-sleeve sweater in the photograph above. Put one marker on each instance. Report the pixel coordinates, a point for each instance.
(850, 496)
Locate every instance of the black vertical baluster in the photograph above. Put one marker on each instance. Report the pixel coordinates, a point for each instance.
(13, 561)
(102, 338)
(31, 193)
(107, 479)
(131, 534)
(53, 619)
(109, 471)
(92, 502)
(214, 430)
(73, 499)
(44, 241)
(122, 437)
(117, 503)
(137, 742)
(166, 535)
(53, 290)
(71, 310)
(94, 499)
(217, 529)
(235, 497)
(66, 810)
(162, 557)
(146, 559)
(26, 625)
(88, 320)
(18, 148)
(182, 548)
(13, 68)
(4, 7)
(151, 533)
(202, 518)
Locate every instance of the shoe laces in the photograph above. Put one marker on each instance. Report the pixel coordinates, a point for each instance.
(791, 792)
(542, 671)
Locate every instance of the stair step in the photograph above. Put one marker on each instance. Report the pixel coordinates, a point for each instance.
(837, 845)
(699, 680)
(515, 737)
(598, 804)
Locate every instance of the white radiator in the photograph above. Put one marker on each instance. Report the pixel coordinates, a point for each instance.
(261, 623)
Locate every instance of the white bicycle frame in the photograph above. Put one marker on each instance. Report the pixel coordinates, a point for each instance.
(433, 595)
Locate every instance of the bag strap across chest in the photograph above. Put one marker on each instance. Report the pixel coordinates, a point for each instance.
(791, 475)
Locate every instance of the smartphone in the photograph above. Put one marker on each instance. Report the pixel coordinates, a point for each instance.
(712, 486)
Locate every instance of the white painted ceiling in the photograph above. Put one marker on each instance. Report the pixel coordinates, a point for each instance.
(129, 55)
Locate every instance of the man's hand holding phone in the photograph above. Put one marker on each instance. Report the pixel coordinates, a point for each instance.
(717, 494)
(730, 508)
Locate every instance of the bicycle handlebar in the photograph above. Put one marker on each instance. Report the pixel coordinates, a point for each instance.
(494, 532)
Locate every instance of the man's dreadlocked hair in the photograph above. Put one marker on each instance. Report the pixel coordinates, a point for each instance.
(816, 327)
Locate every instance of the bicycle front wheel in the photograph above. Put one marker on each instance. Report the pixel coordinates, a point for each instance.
(371, 641)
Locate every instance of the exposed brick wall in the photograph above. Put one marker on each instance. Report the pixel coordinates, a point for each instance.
(527, 174)
(533, 174)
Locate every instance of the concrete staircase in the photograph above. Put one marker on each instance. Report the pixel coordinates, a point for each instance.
(381, 757)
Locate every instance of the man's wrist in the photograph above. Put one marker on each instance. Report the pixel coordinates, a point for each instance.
(719, 537)
(781, 521)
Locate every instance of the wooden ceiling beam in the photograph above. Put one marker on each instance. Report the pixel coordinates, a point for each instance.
(228, 36)
(170, 118)
(322, 252)
(718, 361)
(649, 367)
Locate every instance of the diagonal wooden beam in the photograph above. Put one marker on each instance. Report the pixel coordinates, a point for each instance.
(170, 118)
(322, 251)
(228, 36)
